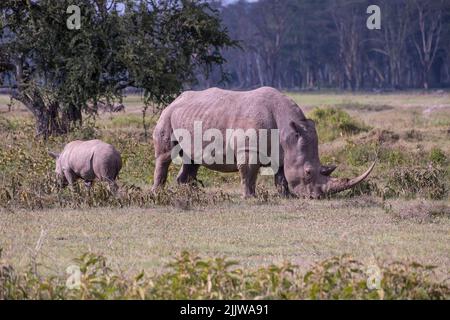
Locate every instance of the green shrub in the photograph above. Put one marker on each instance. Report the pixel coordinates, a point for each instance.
(27, 179)
(332, 123)
(37, 194)
(393, 157)
(438, 157)
(87, 131)
(357, 154)
(191, 277)
(427, 182)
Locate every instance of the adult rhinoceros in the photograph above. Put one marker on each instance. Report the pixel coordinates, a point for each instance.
(264, 110)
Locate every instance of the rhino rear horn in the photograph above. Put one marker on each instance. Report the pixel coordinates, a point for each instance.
(327, 170)
(54, 155)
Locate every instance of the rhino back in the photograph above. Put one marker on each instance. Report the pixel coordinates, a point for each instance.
(263, 108)
(92, 159)
(106, 162)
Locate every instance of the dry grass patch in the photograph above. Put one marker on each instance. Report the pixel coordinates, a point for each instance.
(421, 212)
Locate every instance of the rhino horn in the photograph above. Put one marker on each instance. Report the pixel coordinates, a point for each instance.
(327, 170)
(335, 185)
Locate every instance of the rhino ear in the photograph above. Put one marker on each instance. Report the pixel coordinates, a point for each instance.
(54, 155)
(290, 136)
(299, 128)
(327, 170)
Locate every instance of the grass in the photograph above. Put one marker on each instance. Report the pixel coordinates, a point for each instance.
(255, 234)
(392, 217)
(396, 99)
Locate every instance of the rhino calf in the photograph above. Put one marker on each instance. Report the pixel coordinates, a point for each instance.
(88, 160)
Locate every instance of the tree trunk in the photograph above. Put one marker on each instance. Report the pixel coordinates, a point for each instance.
(430, 26)
(50, 119)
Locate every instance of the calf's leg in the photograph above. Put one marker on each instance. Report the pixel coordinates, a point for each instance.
(71, 179)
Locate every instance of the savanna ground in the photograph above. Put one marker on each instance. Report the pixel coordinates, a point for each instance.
(401, 214)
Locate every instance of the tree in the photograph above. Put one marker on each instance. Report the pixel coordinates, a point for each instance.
(427, 41)
(349, 24)
(158, 46)
(392, 41)
(311, 44)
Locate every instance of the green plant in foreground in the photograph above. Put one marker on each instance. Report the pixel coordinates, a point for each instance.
(192, 277)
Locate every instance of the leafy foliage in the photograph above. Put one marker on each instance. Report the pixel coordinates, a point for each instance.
(158, 47)
(430, 182)
(333, 123)
(192, 277)
(438, 157)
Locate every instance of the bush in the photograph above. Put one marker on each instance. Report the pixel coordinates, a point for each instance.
(394, 157)
(27, 179)
(333, 123)
(47, 194)
(191, 277)
(430, 182)
(438, 157)
(356, 154)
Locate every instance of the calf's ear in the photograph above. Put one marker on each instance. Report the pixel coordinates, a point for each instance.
(54, 155)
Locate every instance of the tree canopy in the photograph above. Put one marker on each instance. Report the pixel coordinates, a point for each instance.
(55, 71)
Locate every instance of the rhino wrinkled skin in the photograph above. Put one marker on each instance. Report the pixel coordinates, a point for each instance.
(88, 160)
(300, 171)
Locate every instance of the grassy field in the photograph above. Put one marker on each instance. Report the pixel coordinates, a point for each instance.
(390, 218)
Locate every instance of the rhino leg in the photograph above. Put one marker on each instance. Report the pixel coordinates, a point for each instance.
(161, 169)
(281, 183)
(249, 174)
(88, 185)
(71, 179)
(113, 187)
(188, 173)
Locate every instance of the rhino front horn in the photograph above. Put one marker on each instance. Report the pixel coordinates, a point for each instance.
(335, 185)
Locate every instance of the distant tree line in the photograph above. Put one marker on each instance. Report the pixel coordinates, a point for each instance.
(312, 44)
